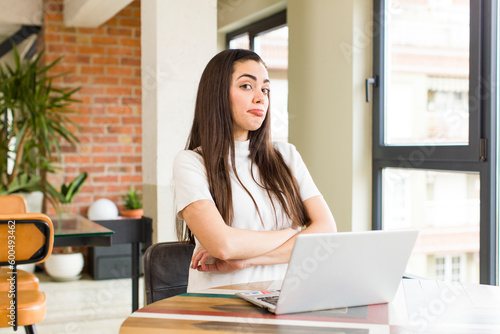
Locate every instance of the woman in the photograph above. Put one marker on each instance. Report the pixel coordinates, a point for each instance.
(243, 197)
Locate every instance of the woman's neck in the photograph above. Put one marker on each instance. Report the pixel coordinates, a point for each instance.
(241, 136)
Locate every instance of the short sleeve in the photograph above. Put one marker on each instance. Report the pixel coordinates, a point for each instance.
(294, 161)
(190, 180)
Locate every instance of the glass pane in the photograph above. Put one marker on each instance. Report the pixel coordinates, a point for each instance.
(444, 207)
(240, 42)
(272, 46)
(427, 72)
(67, 225)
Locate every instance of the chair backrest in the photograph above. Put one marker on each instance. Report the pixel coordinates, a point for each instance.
(12, 204)
(25, 238)
(166, 268)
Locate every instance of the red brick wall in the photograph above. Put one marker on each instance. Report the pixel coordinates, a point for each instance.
(106, 63)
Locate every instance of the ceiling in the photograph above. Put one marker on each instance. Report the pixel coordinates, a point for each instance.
(16, 14)
(7, 30)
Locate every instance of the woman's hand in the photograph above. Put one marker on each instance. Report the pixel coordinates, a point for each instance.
(203, 261)
(201, 258)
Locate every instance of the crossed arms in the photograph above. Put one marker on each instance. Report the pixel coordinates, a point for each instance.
(231, 249)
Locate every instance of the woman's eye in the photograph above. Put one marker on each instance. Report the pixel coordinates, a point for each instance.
(246, 86)
(266, 91)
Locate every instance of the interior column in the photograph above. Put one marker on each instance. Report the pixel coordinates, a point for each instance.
(178, 39)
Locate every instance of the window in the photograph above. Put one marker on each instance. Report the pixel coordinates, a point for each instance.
(269, 39)
(434, 133)
(450, 268)
(240, 42)
(440, 268)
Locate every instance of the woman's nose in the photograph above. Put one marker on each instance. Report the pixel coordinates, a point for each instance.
(259, 97)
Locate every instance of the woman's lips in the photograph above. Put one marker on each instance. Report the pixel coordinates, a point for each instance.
(257, 112)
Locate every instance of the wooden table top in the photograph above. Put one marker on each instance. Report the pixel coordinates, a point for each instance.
(419, 307)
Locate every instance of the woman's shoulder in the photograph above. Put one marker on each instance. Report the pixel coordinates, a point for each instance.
(188, 156)
(286, 149)
(289, 153)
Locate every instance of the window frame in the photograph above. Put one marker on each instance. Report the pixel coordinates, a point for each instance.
(480, 155)
(253, 30)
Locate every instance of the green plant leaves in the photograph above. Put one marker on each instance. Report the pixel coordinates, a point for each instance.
(68, 191)
(34, 117)
(23, 183)
(132, 199)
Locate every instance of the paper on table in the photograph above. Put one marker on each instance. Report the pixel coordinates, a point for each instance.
(254, 286)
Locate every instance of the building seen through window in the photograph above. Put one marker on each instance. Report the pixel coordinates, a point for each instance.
(427, 105)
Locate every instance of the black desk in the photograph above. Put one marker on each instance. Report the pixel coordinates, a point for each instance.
(132, 231)
(75, 230)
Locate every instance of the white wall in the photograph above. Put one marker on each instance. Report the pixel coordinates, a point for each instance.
(330, 55)
(178, 39)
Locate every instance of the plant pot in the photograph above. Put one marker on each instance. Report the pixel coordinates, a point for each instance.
(34, 201)
(30, 267)
(65, 267)
(67, 208)
(137, 213)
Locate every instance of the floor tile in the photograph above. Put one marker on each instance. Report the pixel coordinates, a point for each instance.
(85, 306)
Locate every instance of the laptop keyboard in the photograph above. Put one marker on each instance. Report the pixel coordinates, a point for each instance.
(271, 300)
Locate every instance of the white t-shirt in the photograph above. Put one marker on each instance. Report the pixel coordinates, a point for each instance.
(191, 185)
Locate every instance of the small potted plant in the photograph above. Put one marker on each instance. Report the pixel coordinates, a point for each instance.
(65, 264)
(133, 205)
(63, 199)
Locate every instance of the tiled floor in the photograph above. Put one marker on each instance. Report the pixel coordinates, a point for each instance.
(85, 306)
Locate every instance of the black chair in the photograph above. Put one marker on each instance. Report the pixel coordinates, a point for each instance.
(166, 268)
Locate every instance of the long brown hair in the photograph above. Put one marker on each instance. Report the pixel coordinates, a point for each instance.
(212, 137)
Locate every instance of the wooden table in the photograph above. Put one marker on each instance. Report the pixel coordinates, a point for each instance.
(420, 306)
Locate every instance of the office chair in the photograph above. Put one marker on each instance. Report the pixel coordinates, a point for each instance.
(12, 204)
(24, 238)
(25, 279)
(166, 268)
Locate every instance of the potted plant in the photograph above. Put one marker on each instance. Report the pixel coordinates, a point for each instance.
(65, 264)
(133, 204)
(34, 117)
(63, 199)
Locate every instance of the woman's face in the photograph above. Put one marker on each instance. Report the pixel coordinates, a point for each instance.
(249, 93)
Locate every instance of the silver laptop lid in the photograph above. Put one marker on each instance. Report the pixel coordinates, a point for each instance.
(332, 270)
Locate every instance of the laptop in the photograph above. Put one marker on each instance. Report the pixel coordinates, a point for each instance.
(335, 270)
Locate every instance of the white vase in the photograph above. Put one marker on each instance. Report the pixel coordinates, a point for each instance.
(27, 267)
(65, 267)
(34, 201)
